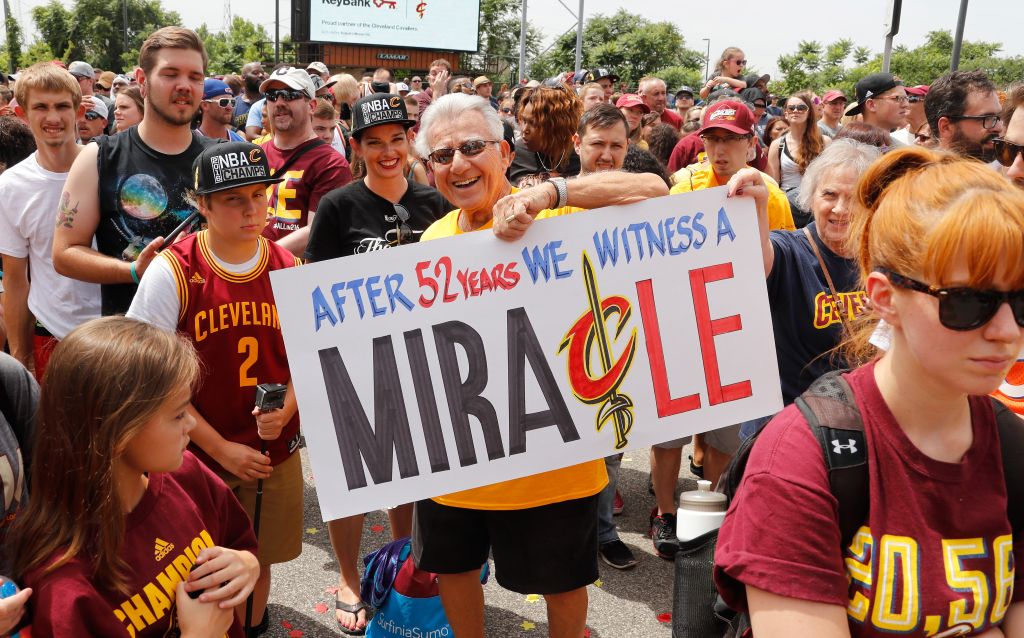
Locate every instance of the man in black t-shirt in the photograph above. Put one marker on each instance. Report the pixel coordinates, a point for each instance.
(142, 173)
(383, 210)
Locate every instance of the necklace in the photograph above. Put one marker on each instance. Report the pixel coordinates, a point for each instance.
(544, 167)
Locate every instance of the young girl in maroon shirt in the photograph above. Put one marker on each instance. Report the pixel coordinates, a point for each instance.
(123, 525)
(940, 242)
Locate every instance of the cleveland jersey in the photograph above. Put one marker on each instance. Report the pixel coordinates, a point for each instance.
(232, 320)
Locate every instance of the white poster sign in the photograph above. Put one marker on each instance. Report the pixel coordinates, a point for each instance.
(419, 24)
(465, 361)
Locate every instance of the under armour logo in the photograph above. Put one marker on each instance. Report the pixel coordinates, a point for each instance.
(838, 447)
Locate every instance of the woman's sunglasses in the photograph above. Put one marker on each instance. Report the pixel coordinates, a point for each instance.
(1006, 151)
(403, 234)
(796, 108)
(964, 308)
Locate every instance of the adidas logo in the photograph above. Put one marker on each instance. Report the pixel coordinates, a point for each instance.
(162, 548)
(197, 279)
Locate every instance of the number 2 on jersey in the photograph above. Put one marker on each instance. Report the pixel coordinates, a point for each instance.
(251, 348)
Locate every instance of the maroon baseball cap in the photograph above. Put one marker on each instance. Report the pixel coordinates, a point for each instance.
(729, 115)
(630, 100)
(832, 95)
(920, 89)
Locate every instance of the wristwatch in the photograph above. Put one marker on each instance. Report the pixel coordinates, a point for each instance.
(561, 189)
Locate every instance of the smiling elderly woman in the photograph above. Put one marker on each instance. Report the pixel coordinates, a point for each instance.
(452, 534)
(811, 275)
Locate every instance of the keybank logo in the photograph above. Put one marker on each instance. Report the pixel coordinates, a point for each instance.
(394, 629)
(162, 548)
(348, 3)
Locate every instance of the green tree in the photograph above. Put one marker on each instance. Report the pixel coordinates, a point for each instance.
(94, 30)
(628, 44)
(498, 44)
(12, 50)
(841, 64)
(230, 50)
(38, 51)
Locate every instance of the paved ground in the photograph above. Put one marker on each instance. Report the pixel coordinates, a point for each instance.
(621, 603)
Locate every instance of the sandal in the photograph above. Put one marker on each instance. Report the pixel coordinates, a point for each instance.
(353, 609)
(696, 470)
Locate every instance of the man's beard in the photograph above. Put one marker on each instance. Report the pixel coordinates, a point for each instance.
(184, 119)
(961, 145)
(252, 85)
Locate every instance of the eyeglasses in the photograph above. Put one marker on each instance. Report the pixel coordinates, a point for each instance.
(914, 99)
(759, 105)
(403, 234)
(289, 95)
(1007, 151)
(223, 102)
(714, 139)
(445, 156)
(899, 99)
(100, 87)
(964, 308)
(91, 116)
(987, 121)
(796, 108)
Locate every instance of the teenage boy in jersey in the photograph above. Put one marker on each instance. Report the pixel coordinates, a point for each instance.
(188, 288)
(383, 210)
(126, 192)
(46, 307)
(317, 168)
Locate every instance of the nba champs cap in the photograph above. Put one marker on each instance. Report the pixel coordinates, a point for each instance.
(379, 108)
(230, 165)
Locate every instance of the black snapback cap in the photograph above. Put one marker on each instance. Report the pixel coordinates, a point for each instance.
(379, 108)
(230, 165)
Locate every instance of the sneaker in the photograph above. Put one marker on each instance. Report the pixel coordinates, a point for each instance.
(663, 534)
(618, 504)
(617, 554)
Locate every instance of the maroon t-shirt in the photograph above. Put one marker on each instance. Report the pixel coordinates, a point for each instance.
(669, 116)
(180, 514)
(232, 320)
(314, 174)
(936, 552)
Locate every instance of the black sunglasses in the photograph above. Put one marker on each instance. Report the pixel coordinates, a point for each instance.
(90, 115)
(987, 121)
(445, 156)
(289, 95)
(1006, 151)
(964, 308)
(914, 99)
(800, 108)
(403, 234)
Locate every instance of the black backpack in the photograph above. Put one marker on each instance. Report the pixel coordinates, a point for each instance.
(831, 412)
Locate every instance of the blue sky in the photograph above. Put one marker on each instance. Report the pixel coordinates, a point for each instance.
(762, 32)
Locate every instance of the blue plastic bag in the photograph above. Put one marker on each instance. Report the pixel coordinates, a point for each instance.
(402, 616)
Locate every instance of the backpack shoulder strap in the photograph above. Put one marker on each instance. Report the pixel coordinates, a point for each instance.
(1011, 444)
(832, 414)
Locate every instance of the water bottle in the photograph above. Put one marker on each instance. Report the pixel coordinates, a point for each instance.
(8, 589)
(700, 511)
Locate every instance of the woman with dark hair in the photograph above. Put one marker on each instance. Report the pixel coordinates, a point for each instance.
(548, 117)
(773, 128)
(660, 142)
(129, 108)
(790, 154)
(728, 73)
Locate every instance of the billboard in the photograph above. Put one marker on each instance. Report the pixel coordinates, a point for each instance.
(451, 25)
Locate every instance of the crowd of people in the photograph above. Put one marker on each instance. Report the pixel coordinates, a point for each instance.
(141, 215)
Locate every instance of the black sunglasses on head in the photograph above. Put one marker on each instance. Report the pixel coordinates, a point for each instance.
(1007, 151)
(289, 95)
(964, 308)
(90, 115)
(403, 234)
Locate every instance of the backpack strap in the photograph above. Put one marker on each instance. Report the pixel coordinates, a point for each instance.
(834, 418)
(1011, 444)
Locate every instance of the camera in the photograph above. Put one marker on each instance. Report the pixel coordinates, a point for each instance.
(270, 396)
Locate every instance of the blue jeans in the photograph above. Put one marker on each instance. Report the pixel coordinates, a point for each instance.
(606, 532)
(752, 427)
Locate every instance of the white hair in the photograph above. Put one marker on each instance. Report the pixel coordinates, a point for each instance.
(455, 106)
(842, 154)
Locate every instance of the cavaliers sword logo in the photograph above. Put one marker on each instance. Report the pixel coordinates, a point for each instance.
(421, 8)
(588, 332)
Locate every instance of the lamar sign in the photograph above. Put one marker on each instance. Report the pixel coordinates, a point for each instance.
(466, 361)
